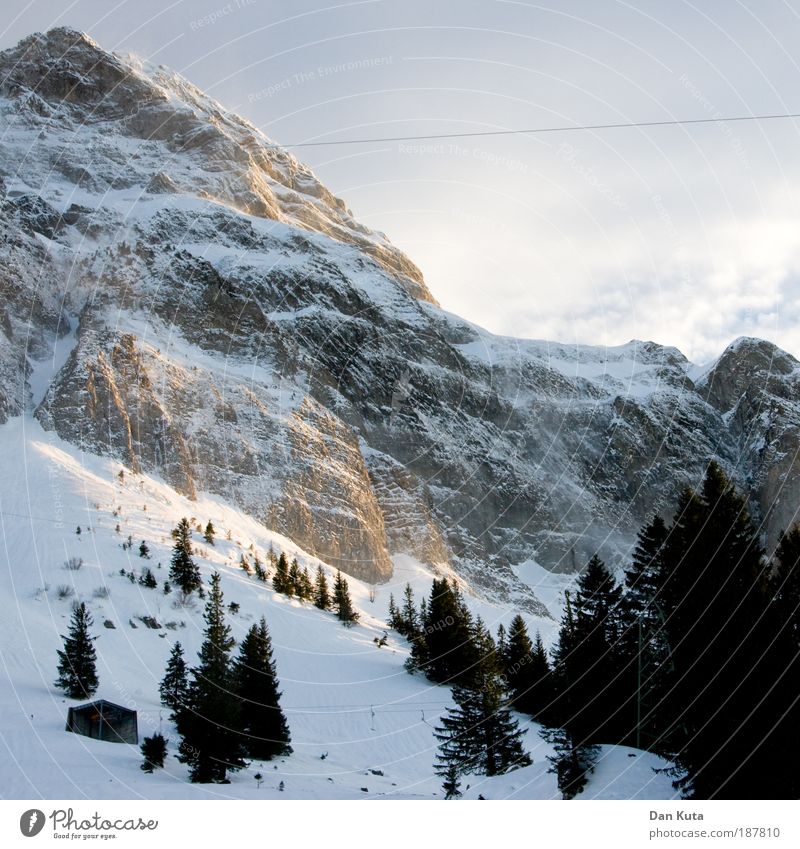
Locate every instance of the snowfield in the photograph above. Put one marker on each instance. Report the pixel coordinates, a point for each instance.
(362, 727)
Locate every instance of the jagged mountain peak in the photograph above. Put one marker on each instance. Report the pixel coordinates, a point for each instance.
(159, 134)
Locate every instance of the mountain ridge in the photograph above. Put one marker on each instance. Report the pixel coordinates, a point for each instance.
(237, 331)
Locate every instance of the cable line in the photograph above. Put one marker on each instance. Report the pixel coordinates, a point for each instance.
(559, 129)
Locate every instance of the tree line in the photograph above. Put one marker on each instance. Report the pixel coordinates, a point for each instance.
(695, 655)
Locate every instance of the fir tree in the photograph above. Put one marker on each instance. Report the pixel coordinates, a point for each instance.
(322, 598)
(280, 580)
(527, 671)
(541, 695)
(502, 643)
(266, 733)
(144, 550)
(148, 579)
(209, 723)
(305, 587)
(183, 571)
(174, 685)
(342, 604)
(77, 673)
(588, 660)
(409, 620)
(294, 578)
(451, 784)
(154, 750)
(480, 735)
(209, 533)
(442, 646)
(784, 583)
(258, 568)
(718, 627)
(394, 621)
(571, 763)
(646, 675)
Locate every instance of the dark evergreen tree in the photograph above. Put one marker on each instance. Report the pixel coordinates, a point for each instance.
(154, 750)
(409, 619)
(443, 647)
(144, 550)
(647, 667)
(784, 583)
(264, 727)
(174, 685)
(394, 621)
(517, 655)
(259, 570)
(209, 533)
(209, 724)
(571, 763)
(527, 671)
(77, 673)
(718, 625)
(502, 643)
(480, 735)
(322, 598)
(148, 579)
(451, 784)
(305, 587)
(588, 662)
(342, 604)
(183, 571)
(280, 580)
(294, 578)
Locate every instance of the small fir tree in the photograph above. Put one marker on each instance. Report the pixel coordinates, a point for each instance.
(294, 578)
(183, 571)
(306, 586)
(409, 620)
(451, 784)
(394, 621)
(154, 750)
(148, 579)
(280, 580)
(322, 597)
(174, 685)
(342, 603)
(259, 570)
(144, 550)
(77, 672)
(209, 533)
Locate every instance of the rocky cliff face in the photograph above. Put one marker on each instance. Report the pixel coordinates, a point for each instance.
(237, 330)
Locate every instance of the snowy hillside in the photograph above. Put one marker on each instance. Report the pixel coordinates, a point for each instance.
(345, 698)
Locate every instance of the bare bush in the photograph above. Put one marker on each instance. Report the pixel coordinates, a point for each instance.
(73, 564)
(64, 592)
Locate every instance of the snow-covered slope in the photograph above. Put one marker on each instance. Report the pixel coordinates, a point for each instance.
(345, 698)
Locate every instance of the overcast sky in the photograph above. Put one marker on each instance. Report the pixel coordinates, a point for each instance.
(687, 236)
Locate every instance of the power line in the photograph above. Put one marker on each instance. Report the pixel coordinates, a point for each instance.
(538, 130)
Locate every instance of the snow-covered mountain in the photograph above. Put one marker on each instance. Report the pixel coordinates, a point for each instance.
(221, 321)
